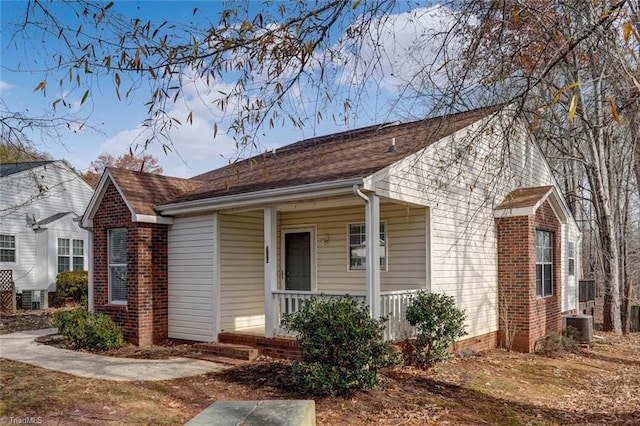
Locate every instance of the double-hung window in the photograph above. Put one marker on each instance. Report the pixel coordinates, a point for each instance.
(117, 252)
(7, 248)
(571, 259)
(357, 247)
(70, 255)
(544, 263)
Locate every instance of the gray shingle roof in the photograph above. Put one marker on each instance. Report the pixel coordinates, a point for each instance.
(7, 169)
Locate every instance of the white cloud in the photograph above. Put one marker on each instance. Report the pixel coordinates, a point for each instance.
(400, 47)
(4, 86)
(191, 148)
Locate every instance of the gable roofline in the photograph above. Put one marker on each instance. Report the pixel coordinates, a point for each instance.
(527, 201)
(371, 181)
(32, 165)
(96, 201)
(562, 200)
(51, 219)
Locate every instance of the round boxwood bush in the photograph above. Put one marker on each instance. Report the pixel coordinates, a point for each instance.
(88, 330)
(342, 346)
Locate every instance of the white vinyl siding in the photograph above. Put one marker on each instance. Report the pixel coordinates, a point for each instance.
(36, 257)
(462, 179)
(406, 248)
(241, 271)
(191, 278)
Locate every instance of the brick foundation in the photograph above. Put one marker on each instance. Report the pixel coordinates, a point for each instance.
(144, 319)
(275, 347)
(531, 317)
(480, 343)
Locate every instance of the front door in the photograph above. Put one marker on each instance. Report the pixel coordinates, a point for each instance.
(297, 261)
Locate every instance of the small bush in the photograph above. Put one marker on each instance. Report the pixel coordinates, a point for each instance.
(557, 343)
(73, 285)
(88, 330)
(341, 346)
(440, 323)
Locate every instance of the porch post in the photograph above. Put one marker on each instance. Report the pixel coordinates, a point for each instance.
(216, 276)
(372, 225)
(270, 269)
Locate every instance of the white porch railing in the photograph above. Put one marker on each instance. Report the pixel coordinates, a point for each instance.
(393, 304)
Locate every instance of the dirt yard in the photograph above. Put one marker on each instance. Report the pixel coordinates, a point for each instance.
(599, 385)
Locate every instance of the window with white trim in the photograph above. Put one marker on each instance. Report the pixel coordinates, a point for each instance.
(544, 263)
(7, 248)
(70, 255)
(357, 247)
(117, 253)
(571, 258)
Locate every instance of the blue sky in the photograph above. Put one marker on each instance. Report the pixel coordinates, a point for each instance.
(117, 123)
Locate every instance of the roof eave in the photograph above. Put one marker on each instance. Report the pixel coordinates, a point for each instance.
(555, 201)
(258, 198)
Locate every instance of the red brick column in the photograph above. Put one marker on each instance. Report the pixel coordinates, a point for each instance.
(144, 319)
(530, 316)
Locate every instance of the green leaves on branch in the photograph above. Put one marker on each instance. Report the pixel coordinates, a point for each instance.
(440, 323)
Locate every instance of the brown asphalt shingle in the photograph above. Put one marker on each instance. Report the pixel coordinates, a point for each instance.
(146, 190)
(347, 155)
(353, 154)
(524, 197)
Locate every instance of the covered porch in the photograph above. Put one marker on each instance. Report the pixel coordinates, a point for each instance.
(274, 259)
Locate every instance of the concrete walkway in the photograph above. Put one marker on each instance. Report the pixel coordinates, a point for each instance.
(22, 347)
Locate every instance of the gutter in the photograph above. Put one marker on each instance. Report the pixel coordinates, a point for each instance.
(260, 198)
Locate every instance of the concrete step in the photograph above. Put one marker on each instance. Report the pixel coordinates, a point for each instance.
(228, 350)
(263, 413)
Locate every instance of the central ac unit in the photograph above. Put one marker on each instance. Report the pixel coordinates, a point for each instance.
(34, 299)
(583, 324)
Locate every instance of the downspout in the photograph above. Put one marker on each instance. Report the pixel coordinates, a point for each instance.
(358, 193)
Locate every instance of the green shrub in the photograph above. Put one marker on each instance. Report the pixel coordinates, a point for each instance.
(88, 330)
(342, 347)
(73, 285)
(440, 323)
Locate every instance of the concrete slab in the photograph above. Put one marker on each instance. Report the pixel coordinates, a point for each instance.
(22, 347)
(257, 413)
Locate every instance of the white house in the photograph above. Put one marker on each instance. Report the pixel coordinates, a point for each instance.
(40, 206)
(463, 204)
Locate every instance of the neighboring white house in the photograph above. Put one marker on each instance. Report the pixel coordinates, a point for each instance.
(41, 204)
(463, 204)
